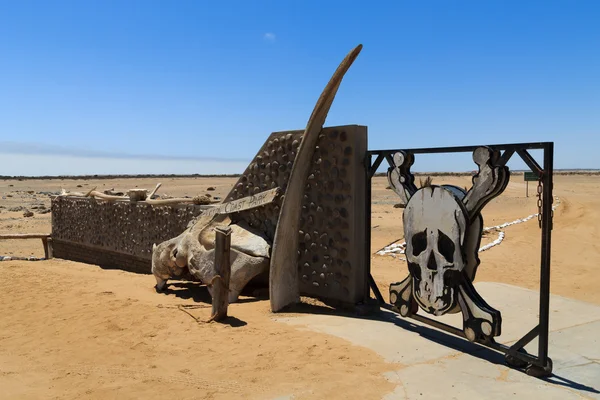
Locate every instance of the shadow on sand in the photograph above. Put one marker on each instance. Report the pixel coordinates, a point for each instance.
(434, 335)
(199, 293)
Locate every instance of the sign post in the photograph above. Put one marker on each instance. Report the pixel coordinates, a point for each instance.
(529, 176)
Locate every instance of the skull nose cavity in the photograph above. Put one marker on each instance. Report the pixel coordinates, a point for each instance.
(431, 263)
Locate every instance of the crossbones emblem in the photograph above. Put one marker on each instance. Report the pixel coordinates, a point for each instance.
(442, 228)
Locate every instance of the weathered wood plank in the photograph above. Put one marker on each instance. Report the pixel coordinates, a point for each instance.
(245, 203)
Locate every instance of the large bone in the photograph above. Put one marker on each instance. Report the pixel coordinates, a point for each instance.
(175, 258)
(401, 180)
(283, 276)
(153, 192)
(193, 250)
(401, 297)
(64, 193)
(108, 197)
(178, 200)
(490, 181)
(480, 320)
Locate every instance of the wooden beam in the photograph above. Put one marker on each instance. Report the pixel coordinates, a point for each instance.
(220, 300)
(24, 235)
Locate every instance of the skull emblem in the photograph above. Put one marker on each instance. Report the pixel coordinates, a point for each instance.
(435, 224)
(442, 229)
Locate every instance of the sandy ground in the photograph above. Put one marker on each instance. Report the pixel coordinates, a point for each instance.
(71, 330)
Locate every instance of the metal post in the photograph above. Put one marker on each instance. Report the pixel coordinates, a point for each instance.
(367, 250)
(527, 189)
(545, 257)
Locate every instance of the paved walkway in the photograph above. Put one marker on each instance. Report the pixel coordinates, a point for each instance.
(440, 365)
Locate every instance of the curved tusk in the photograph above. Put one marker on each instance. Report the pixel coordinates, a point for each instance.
(283, 276)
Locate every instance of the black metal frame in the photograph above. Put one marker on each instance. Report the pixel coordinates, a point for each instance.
(540, 365)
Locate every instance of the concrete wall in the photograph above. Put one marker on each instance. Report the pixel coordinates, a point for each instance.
(114, 234)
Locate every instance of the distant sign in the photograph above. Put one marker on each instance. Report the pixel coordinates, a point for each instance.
(530, 176)
(527, 177)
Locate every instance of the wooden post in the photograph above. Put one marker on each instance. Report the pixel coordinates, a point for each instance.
(45, 243)
(220, 300)
(48, 248)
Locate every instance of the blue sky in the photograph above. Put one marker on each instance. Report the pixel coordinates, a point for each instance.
(196, 86)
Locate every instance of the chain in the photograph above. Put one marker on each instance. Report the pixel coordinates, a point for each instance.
(539, 201)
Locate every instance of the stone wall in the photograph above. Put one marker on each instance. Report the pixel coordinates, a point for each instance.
(114, 234)
(331, 259)
(331, 263)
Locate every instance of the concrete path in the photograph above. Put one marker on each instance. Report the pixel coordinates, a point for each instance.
(440, 365)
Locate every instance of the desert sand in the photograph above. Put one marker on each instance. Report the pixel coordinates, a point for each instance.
(71, 330)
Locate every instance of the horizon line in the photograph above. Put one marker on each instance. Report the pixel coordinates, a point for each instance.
(558, 171)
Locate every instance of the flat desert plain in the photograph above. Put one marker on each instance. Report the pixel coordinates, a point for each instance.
(71, 330)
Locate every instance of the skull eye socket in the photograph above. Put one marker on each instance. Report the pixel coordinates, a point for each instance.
(419, 242)
(446, 246)
(452, 278)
